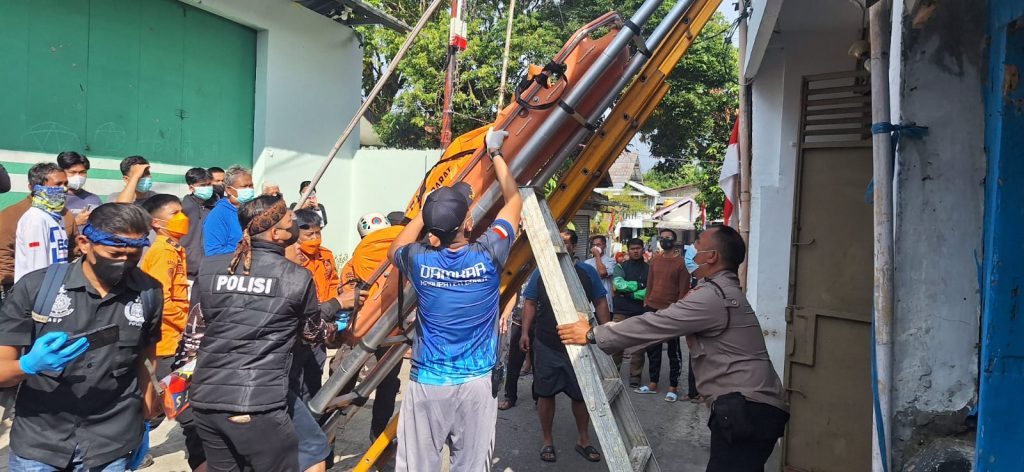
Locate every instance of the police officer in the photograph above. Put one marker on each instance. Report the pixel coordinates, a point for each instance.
(727, 351)
(256, 304)
(81, 407)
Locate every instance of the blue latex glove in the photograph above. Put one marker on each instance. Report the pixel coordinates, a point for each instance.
(49, 354)
(342, 320)
(139, 454)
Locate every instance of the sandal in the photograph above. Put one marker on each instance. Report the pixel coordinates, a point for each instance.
(671, 397)
(589, 453)
(547, 454)
(506, 404)
(645, 390)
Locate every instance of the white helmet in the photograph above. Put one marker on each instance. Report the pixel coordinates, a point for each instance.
(371, 222)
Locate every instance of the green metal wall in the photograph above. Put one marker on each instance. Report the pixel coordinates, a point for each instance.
(114, 78)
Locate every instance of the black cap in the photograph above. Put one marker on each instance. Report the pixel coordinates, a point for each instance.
(445, 209)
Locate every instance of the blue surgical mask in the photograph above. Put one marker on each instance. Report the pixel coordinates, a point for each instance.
(245, 195)
(203, 193)
(691, 252)
(144, 184)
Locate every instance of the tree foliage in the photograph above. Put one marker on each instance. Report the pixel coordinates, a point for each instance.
(690, 128)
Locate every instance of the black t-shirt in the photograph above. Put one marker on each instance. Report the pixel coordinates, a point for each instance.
(95, 403)
(545, 322)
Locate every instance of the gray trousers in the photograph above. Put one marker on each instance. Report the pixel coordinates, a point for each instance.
(461, 415)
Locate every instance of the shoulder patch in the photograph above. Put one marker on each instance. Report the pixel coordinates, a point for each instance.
(245, 284)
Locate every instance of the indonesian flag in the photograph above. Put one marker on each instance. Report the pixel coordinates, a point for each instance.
(730, 179)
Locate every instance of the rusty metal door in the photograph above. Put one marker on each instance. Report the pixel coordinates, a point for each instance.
(828, 336)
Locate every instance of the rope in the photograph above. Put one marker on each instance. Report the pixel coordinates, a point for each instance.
(898, 131)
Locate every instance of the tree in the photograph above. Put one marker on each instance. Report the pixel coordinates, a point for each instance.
(689, 129)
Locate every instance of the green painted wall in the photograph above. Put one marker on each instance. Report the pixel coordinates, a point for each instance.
(119, 77)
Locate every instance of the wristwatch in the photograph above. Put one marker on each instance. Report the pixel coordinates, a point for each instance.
(493, 154)
(590, 336)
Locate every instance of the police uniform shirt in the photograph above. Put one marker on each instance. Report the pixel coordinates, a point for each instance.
(727, 348)
(95, 403)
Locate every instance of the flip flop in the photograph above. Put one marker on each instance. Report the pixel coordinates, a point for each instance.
(506, 404)
(645, 390)
(671, 397)
(589, 453)
(547, 454)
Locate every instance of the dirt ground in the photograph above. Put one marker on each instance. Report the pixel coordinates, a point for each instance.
(677, 432)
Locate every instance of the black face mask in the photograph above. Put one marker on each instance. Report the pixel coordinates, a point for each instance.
(294, 230)
(219, 190)
(666, 243)
(110, 271)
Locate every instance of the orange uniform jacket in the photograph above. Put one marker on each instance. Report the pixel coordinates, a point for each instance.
(325, 274)
(165, 262)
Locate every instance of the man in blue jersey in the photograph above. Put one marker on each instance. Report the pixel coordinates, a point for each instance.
(451, 399)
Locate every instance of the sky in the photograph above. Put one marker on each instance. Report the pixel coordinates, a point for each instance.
(647, 161)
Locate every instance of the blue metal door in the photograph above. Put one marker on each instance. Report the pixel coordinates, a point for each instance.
(1000, 418)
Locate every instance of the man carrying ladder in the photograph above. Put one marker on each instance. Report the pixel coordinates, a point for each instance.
(452, 398)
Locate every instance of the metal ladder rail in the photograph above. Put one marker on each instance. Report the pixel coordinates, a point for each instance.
(618, 428)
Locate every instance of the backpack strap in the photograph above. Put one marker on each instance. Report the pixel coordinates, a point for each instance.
(47, 294)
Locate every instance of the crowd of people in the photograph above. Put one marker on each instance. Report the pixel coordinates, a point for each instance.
(101, 302)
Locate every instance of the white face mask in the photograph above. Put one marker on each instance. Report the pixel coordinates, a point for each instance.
(76, 182)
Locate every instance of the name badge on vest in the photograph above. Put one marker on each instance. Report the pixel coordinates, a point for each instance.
(263, 286)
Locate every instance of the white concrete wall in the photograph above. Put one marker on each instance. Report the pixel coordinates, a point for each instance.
(938, 225)
(308, 76)
(382, 180)
(776, 119)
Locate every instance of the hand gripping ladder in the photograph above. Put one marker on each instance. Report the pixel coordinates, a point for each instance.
(622, 438)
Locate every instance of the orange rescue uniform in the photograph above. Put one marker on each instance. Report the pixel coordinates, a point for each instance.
(165, 262)
(325, 274)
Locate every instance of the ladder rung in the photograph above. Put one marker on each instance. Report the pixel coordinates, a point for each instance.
(612, 389)
(639, 456)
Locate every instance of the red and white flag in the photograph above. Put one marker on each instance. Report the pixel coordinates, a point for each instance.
(730, 178)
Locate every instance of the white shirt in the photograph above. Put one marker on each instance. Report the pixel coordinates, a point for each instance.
(609, 265)
(40, 241)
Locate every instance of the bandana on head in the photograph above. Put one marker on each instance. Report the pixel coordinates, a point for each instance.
(103, 238)
(51, 199)
(259, 224)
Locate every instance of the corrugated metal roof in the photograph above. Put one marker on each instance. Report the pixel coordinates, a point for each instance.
(354, 12)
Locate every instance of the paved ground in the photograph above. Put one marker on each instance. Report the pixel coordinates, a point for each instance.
(677, 432)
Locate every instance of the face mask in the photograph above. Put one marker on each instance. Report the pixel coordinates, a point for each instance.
(666, 243)
(219, 190)
(109, 271)
(691, 252)
(76, 182)
(177, 226)
(51, 199)
(144, 184)
(245, 195)
(203, 193)
(310, 246)
(294, 230)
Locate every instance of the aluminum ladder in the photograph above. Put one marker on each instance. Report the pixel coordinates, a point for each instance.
(618, 429)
